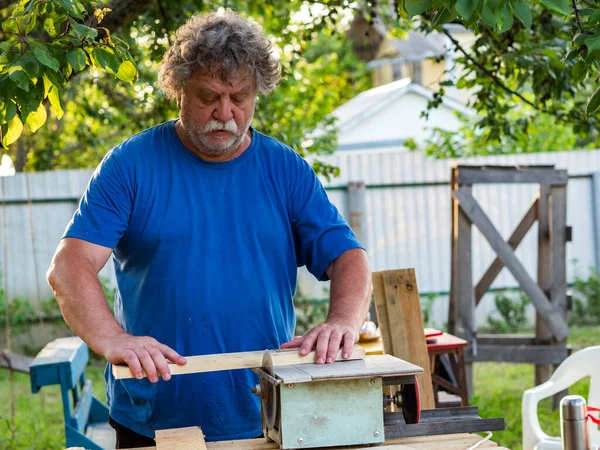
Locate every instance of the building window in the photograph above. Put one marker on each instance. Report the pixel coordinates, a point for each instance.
(417, 76)
(396, 71)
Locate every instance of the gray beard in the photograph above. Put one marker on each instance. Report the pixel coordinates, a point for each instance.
(206, 147)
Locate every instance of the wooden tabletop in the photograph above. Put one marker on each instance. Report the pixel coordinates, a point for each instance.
(447, 441)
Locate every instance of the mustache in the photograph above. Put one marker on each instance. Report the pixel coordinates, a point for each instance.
(217, 125)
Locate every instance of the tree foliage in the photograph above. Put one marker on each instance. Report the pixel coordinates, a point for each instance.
(74, 83)
(81, 75)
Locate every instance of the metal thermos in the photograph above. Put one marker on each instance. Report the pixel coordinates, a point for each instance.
(573, 427)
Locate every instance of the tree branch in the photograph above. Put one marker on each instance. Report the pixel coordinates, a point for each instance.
(491, 75)
(577, 19)
(122, 11)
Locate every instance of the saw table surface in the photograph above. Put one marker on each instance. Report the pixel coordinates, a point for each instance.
(370, 367)
(445, 441)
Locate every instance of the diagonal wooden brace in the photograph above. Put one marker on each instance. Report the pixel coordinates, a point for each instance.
(552, 315)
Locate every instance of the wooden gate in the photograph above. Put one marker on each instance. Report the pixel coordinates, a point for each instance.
(548, 294)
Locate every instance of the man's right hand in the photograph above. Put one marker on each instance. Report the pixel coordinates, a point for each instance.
(141, 354)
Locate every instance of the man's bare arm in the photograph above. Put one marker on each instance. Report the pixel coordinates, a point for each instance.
(350, 294)
(73, 276)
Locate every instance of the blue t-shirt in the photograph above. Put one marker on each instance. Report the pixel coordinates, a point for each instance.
(206, 258)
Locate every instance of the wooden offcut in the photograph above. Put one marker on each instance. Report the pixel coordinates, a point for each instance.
(401, 322)
(240, 360)
(190, 438)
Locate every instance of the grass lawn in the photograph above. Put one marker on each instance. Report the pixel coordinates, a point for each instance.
(498, 391)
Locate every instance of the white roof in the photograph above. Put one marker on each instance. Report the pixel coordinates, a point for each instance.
(367, 103)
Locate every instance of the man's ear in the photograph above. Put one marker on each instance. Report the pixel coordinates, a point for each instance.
(179, 101)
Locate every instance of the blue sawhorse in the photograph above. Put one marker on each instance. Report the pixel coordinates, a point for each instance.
(63, 362)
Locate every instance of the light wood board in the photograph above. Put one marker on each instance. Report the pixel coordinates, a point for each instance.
(241, 360)
(401, 322)
(190, 438)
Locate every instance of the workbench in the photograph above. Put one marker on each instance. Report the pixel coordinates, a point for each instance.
(445, 441)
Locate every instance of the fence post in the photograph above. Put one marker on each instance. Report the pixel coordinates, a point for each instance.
(596, 216)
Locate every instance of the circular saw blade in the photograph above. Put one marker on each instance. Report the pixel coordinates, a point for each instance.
(269, 398)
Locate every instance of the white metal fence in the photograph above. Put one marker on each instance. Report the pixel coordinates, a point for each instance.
(406, 221)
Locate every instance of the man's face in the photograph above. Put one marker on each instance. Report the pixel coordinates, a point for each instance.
(215, 114)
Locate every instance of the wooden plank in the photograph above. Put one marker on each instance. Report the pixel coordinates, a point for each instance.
(558, 291)
(14, 361)
(551, 314)
(484, 175)
(371, 366)
(190, 438)
(514, 240)
(382, 315)
(453, 256)
(536, 354)
(465, 300)
(444, 427)
(505, 339)
(543, 335)
(460, 441)
(240, 360)
(404, 325)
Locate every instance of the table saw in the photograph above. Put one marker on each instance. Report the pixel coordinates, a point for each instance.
(307, 405)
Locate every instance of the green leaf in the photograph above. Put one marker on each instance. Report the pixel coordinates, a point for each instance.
(127, 71)
(21, 78)
(560, 6)
(84, 32)
(43, 55)
(523, 13)
(55, 102)
(593, 44)
(11, 25)
(506, 19)
(594, 18)
(593, 102)
(416, 7)
(77, 59)
(8, 57)
(47, 85)
(11, 111)
(15, 128)
(106, 59)
(488, 17)
(72, 7)
(31, 24)
(51, 27)
(443, 16)
(466, 8)
(37, 118)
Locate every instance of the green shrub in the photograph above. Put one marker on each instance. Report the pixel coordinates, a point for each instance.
(586, 300)
(309, 313)
(513, 314)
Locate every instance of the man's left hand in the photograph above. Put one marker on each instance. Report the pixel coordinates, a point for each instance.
(327, 338)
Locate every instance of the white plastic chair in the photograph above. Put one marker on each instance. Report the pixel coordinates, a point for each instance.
(584, 363)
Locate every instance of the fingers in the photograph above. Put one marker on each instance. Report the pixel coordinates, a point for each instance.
(172, 355)
(349, 341)
(297, 342)
(143, 354)
(335, 339)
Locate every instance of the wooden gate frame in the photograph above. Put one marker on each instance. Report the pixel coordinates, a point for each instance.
(548, 295)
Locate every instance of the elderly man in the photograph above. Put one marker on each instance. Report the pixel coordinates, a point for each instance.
(207, 220)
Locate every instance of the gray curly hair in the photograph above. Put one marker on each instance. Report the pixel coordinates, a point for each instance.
(224, 39)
